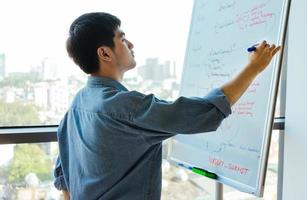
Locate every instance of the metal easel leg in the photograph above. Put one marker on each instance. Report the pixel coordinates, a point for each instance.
(218, 191)
(282, 111)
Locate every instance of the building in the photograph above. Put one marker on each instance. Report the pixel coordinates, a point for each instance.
(155, 71)
(2, 66)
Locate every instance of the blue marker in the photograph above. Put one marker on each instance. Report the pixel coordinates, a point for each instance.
(251, 49)
(185, 166)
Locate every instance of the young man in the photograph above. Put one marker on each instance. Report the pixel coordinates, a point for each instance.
(110, 139)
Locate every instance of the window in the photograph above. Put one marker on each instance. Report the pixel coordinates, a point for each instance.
(26, 171)
(38, 82)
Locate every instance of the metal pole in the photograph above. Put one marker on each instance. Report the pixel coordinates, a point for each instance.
(218, 191)
(282, 108)
(280, 164)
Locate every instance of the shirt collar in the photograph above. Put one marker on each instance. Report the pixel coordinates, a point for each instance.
(100, 81)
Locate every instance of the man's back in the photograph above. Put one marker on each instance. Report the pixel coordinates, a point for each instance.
(110, 139)
(103, 157)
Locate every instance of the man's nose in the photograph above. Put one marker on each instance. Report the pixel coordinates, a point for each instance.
(130, 45)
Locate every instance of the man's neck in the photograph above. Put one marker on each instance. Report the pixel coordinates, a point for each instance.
(112, 75)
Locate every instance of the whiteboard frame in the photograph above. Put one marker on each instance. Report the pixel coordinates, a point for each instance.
(276, 64)
(273, 98)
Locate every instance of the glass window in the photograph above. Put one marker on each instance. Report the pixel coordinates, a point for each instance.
(37, 79)
(26, 171)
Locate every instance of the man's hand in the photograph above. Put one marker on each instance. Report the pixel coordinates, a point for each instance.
(262, 56)
(259, 60)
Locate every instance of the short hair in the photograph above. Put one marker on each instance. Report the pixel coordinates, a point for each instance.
(86, 34)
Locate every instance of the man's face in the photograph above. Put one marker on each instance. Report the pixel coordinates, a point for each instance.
(123, 53)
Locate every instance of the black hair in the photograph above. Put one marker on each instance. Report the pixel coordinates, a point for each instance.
(87, 33)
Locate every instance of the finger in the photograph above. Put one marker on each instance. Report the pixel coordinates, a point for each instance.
(272, 47)
(267, 52)
(276, 50)
(262, 45)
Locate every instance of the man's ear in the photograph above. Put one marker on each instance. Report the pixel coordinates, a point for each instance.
(104, 53)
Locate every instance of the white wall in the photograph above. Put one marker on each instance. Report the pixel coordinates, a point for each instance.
(295, 162)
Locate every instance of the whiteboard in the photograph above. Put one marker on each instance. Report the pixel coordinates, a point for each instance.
(220, 33)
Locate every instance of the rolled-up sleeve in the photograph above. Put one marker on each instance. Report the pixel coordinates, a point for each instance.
(59, 181)
(218, 98)
(183, 116)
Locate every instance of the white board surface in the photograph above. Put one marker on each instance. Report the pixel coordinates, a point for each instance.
(220, 33)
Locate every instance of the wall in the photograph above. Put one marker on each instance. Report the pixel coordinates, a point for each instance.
(295, 160)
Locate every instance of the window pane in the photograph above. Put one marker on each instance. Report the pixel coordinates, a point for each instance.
(37, 79)
(26, 171)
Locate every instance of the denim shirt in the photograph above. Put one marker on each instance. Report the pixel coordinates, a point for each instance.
(110, 140)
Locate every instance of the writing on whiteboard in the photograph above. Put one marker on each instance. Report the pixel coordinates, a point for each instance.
(233, 167)
(244, 108)
(253, 87)
(253, 17)
(226, 5)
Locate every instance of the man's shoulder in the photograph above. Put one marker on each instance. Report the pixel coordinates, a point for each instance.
(107, 101)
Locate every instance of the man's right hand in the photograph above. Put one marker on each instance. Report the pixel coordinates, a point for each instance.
(262, 56)
(258, 61)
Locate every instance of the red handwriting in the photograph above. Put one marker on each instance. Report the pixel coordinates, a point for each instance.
(237, 168)
(216, 161)
(257, 7)
(244, 108)
(230, 166)
(259, 18)
(253, 17)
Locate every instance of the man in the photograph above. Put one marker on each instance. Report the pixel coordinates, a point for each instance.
(110, 138)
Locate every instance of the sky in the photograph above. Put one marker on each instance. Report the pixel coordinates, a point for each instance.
(33, 30)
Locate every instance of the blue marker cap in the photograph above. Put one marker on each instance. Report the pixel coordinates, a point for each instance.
(251, 49)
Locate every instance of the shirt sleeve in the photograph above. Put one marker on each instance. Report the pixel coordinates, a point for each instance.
(59, 181)
(183, 116)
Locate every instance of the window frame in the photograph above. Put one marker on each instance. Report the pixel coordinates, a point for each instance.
(28, 134)
(36, 134)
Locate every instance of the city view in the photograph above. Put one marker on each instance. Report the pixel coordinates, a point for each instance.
(42, 96)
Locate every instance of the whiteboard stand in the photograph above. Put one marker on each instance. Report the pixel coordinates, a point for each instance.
(218, 191)
(280, 164)
(282, 107)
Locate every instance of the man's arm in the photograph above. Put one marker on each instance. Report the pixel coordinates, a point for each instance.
(258, 61)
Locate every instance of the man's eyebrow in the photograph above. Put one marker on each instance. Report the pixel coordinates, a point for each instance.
(121, 34)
